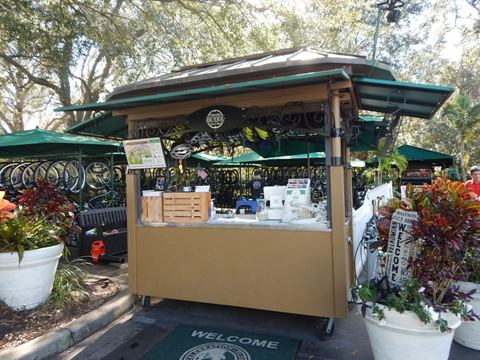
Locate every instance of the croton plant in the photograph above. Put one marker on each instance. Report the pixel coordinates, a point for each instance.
(43, 217)
(446, 237)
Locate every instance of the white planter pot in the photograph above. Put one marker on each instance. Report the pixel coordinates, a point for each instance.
(404, 336)
(468, 334)
(28, 284)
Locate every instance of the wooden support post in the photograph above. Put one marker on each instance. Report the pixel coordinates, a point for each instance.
(133, 189)
(339, 232)
(349, 209)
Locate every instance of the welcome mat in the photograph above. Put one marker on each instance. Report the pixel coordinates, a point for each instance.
(201, 343)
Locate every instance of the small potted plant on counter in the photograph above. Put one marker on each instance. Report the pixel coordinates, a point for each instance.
(413, 307)
(32, 239)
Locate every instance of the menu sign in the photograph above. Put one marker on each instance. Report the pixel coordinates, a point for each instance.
(400, 249)
(144, 153)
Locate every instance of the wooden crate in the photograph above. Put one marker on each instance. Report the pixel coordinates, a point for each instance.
(188, 207)
(152, 209)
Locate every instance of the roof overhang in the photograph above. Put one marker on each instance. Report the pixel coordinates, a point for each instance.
(214, 91)
(103, 125)
(400, 98)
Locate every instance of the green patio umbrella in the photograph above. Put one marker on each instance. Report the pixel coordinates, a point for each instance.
(297, 159)
(204, 160)
(248, 158)
(44, 143)
(419, 156)
(415, 154)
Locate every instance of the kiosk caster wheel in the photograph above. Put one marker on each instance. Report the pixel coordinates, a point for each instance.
(329, 326)
(145, 302)
(325, 327)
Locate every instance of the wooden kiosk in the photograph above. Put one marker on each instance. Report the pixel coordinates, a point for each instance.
(301, 269)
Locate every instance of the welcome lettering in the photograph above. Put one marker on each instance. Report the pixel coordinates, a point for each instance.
(235, 339)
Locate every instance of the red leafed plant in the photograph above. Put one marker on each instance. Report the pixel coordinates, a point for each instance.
(385, 214)
(46, 200)
(445, 237)
(447, 231)
(44, 218)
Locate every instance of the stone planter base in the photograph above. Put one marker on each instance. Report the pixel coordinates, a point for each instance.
(404, 336)
(468, 334)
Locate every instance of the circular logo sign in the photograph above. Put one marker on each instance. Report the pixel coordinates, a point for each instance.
(216, 351)
(215, 119)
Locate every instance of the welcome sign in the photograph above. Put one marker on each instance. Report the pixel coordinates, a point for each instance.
(200, 343)
(399, 249)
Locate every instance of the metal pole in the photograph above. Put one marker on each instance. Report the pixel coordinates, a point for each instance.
(308, 160)
(80, 194)
(375, 35)
(112, 178)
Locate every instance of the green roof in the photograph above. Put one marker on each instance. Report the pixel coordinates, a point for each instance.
(385, 96)
(103, 125)
(213, 91)
(394, 97)
(39, 142)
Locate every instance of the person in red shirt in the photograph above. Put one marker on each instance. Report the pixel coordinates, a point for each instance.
(474, 183)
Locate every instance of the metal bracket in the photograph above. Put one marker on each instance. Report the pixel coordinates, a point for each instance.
(336, 132)
(336, 161)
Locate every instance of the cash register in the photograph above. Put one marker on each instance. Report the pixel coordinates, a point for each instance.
(275, 197)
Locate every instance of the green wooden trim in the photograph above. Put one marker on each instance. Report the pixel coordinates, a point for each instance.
(218, 90)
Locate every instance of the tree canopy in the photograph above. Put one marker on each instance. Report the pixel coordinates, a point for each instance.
(63, 52)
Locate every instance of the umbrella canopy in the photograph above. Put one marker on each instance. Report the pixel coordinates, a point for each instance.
(39, 142)
(286, 160)
(249, 158)
(298, 159)
(421, 157)
(205, 160)
(418, 155)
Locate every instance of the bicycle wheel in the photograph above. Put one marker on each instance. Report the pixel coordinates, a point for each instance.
(54, 174)
(103, 200)
(16, 175)
(41, 172)
(5, 172)
(98, 175)
(74, 176)
(28, 175)
(119, 175)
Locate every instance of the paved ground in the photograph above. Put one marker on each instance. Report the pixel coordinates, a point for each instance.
(44, 346)
(130, 337)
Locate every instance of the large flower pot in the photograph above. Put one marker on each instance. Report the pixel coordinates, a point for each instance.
(468, 334)
(403, 336)
(28, 284)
